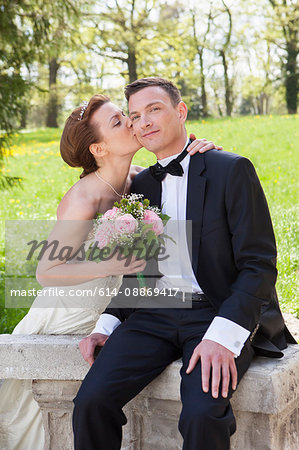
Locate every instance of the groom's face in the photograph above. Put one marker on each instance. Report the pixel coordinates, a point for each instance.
(157, 123)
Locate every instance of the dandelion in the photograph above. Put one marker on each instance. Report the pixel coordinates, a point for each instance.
(11, 200)
(17, 201)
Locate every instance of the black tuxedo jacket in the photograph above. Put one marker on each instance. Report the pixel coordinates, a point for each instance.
(233, 245)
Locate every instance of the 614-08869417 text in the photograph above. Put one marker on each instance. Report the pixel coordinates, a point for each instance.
(143, 291)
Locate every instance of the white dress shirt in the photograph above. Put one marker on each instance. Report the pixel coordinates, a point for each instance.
(177, 270)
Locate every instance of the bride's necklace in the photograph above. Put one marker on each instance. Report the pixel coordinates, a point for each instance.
(110, 185)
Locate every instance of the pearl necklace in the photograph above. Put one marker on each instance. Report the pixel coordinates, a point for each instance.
(110, 185)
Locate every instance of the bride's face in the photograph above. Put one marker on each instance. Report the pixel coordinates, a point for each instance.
(116, 130)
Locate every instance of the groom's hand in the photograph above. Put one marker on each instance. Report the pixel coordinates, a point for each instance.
(87, 346)
(218, 359)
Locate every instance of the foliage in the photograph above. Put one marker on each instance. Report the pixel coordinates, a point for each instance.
(26, 30)
(276, 37)
(118, 28)
(286, 15)
(225, 56)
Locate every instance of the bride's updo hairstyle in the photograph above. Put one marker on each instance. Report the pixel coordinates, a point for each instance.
(78, 134)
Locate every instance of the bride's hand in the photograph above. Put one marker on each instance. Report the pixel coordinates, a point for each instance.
(201, 145)
(122, 266)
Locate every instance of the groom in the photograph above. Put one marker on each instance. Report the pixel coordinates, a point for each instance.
(232, 270)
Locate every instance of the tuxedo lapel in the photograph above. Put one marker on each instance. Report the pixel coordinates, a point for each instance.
(195, 202)
(154, 192)
(149, 187)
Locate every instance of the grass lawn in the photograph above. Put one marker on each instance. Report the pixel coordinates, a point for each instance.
(269, 142)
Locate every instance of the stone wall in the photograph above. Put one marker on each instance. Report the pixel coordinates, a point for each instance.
(266, 403)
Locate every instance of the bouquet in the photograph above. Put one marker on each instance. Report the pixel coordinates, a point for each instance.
(131, 227)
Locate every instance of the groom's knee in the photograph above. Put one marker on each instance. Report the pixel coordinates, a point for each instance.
(88, 400)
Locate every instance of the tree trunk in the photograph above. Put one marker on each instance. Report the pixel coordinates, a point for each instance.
(204, 103)
(218, 103)
(267, 104)
(23, 121)
(291, 78)
(132, 65)
(53, 98)
(228, 102)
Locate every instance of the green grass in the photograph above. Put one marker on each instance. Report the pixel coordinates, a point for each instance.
(269, 142)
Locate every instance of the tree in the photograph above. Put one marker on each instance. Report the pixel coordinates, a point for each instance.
(58, 51)
(25, 27)
(223, 54)
(287, 16)
(22, 31)
(201, 45)
(122, 27)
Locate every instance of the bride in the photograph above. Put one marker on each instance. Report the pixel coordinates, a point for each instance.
(99, 138)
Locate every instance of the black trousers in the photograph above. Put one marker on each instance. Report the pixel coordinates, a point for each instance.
(136, 353)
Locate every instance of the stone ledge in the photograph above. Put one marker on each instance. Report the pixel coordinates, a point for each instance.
(266, 403)
(272, 383)
(42, 357)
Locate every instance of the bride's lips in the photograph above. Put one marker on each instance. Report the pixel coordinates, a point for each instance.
(151, 133)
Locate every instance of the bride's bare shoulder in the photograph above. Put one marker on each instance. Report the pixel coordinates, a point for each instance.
(79, 202)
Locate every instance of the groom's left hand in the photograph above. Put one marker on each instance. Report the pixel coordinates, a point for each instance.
(218, 359)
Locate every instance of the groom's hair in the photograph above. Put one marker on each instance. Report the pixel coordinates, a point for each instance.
(168, 86)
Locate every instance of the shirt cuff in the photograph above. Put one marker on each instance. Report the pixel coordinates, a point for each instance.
(106, 324)
(227, 333)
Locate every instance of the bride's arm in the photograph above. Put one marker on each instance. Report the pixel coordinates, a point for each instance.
(74, 222)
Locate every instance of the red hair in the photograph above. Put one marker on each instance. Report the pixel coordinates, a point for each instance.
(78, 135)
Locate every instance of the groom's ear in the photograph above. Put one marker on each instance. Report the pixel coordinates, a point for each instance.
(182, 110)
(98, 149)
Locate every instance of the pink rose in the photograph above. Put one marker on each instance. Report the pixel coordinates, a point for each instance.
(102, 239)
(105, 231)
(151, 218)
(125, 224)
(111, 213)
(107, 227)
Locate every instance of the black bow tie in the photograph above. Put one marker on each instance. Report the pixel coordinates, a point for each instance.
(174, 167)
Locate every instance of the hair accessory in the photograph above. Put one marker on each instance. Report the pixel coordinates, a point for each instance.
(83, 108)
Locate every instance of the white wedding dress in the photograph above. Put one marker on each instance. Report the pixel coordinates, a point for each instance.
(20, 417)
